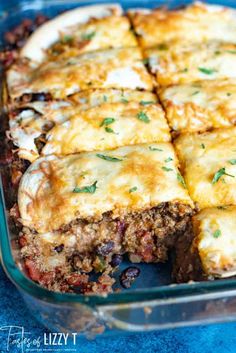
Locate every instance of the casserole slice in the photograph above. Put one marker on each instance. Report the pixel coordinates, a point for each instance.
(99, 204)
(184, 62)
(97, 34)
(60, 76)
(208, 163)
(197, 22)
(85, 26)
(107, 127)
(200, 106)
(31, 120)
(207, 250)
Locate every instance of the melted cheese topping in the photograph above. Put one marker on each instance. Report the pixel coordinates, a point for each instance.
(111, 126)
(202, 159)
(49, 32)
(46, 199)
(215, 231)
(198, 22)
(182, 62)
(105, 33)
(117, 68)
(38, 117)
(200, 106)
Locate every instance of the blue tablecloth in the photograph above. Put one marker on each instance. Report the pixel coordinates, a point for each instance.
(219, 338)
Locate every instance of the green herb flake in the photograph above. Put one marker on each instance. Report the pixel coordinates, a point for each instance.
(108, 158)
(184, 70)
(162, 46)
(231, 51)
(217, 52)
(167, 169)
(222, 207)
(86, 189)
(181, 180)
(143, 117)
(133, 189)
(145, 61)
(67, 39)
(88, 36)
(219, 174)
(203, 146)
(232, 161)
(109, 130)
(217, 233)
(195, 93)
(124, 100)
(146, 102)
(107, 121)
(104, 98)
(155, 149)
(206, 71)
(169, 159)
(229, 94)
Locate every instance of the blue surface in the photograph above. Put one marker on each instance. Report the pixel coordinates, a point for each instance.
(205, 339)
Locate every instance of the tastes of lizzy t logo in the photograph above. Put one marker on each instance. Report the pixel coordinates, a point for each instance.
(17, 339)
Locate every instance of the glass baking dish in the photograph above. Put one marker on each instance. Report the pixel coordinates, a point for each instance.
(152, 303)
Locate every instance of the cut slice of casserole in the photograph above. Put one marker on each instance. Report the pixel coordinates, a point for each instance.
(30, 122)
(184, 62)
(89, 201)
(200, 106)
(107, 127)
(60, 76)
(208, 249)
(208, 163)
(197, 22)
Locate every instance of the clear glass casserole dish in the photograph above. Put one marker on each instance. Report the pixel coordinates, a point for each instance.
(153, 302)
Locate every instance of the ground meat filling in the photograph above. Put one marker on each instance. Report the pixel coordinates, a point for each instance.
(187, 263)
(84, 247)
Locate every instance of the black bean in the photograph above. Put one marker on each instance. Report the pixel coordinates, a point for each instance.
(116, 260)
(105, 249)
(128, 276)
(59, 248)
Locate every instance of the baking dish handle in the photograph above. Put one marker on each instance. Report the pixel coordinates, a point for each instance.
(168, 313)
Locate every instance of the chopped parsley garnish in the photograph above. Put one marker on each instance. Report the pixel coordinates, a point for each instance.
(167, 169)
(219, 174)
(107, 121)
(155, 149)
(217, 52)
(108, 158)
(195, 93)
(232, 161)
(184, 70)
(231, 51)
(203, 146)
(124, 100)
(133, 189)
(229, 94)
(104, 98)
(222, 207)
(217, 233)
(169, 159)
(206, 71)
(67, 39)
(109, 130)
(145, 61)
(181, 180)
(88, 36)
(143, 117)
(86, 189)
(162, 46)
(146, 102)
